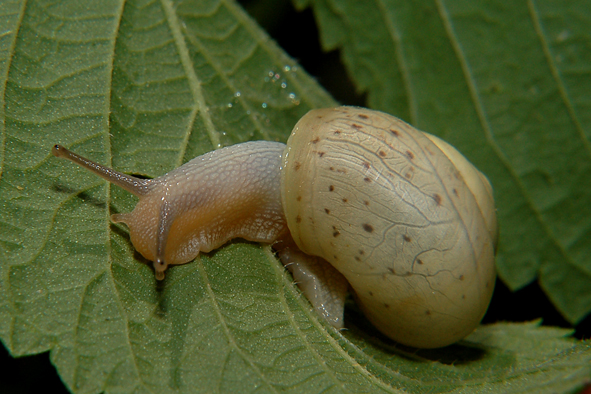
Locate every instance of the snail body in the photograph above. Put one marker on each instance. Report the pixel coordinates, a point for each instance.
(357, 198)
(193, 209)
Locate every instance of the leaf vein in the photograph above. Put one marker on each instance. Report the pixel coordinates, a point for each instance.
(200, 106)
(402, 62)
(479, 107)
(225, 327)
(557, 75)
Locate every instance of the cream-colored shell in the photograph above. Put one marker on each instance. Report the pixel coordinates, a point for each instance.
(386, 206)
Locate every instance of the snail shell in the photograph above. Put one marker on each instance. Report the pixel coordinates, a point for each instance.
(401, 214)
(357, 198)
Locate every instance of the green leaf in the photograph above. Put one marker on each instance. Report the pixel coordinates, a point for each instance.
(145, 86)
(509, 84)
(496, 358)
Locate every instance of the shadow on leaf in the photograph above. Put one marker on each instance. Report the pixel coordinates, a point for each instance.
(457, 354)
(60, 188)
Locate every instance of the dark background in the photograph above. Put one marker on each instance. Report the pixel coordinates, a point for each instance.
(296, 33)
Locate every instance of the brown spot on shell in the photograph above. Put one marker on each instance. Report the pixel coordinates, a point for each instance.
(297, 165)
(368, 227)
(410, 154)
(331, 188)
(362, 116)
(409, 173)
(406, 238)
(455, 191)
(366, 202)
(299, 198)
(316, 140)
(420, 262)
(387, 306)
(361, 252)
(366, 164)
(371, 293)
(327, 211)
(366, 179)
(320, 154)
(392, 270)
(395, 132)
(356, 126)
(345, 200)
(461, 277)
(437, 199)
(357, 258)
(382, 153)
(335, 232)
(428, 312)
(331, 168)
(337, 132)
(298, 219)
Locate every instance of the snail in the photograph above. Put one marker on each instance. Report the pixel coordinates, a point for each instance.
(357, 199)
